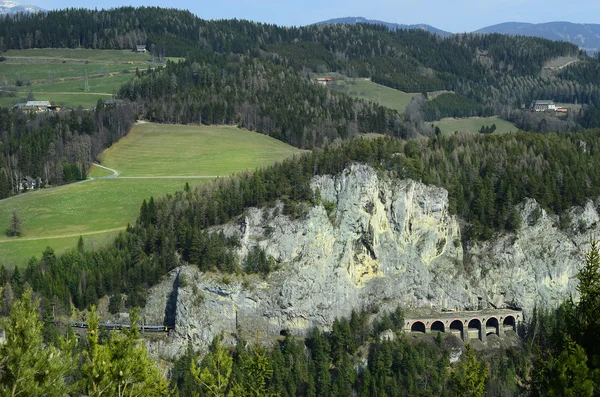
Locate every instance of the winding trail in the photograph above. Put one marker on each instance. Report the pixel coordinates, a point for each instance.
(114, 175)
(114, 229)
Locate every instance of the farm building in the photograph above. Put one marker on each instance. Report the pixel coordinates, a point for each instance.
(323, 80)
(29, 183)
(543, 106)
(140, 48)
(112, 102)
(35, 106)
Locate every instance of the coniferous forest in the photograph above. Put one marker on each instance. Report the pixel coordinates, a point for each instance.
(258, 76)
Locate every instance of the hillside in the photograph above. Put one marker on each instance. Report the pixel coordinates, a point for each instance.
(585, 36)
(147, 166)
(389, 25)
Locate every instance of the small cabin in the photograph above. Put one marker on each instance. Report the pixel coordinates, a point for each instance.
(29, 183)
(140, 48)
(323, 80)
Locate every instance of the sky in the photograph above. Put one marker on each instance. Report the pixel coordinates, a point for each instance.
(453, 16)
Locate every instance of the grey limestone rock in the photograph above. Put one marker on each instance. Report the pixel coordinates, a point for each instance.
(385, 242)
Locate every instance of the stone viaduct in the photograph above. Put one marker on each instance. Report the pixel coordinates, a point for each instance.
(465, 325)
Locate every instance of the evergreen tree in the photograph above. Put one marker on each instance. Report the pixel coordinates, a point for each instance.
(469, 379)
(119, 366)
(214, 374)
(15, 229)
(28, 367)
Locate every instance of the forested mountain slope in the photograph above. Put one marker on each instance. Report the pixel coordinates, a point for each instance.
(412, 60)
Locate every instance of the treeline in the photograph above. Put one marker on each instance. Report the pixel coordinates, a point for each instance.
(486, 176)
(56, 148)
(38, 361)
(356, 358)
(257, 95)
(409, 60)
(453, 105)
(364, 355)
(566, 358)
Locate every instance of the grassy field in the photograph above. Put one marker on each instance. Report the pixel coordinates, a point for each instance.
(366, 89)
(81, 54)
(474, 124)
(97, 208)
(167, 149)
(58, 75)
(53, 72)
(71, 93)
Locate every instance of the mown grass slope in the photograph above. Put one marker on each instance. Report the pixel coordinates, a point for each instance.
(58, 75)
(474, 124)
(167, 156)
(373, 92)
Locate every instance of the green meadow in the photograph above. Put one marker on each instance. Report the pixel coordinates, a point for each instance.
(474, 124)
(366, 89)
(167, 149)
(80, 54)
(99, 208)
(58, 75)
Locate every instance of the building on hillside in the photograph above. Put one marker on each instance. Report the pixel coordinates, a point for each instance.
(39, 106)
(35, 106)
(543, 106)
(29, 183)
(140, 48)
(113, 101)
(323, 80)
(562, 110)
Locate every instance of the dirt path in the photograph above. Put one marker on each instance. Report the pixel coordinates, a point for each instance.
(114, 175)
(115, 229)
(172, 177)
(117, 173)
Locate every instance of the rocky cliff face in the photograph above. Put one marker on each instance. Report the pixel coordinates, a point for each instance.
(383, 243)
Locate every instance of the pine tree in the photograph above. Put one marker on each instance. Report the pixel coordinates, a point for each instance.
(120, 366)
(28, 367)
(214, 373)
(15, 228)
(256, 372)
(587, 325)
(469, 379)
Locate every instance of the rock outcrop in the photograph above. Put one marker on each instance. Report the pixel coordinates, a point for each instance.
(382, 242)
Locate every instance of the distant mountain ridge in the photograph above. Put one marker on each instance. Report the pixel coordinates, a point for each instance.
(390, 25)
(12, 7)
(585, 36)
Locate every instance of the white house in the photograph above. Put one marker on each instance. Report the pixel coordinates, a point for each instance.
(543, 106)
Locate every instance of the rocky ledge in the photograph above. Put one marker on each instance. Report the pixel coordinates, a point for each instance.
(373, 242)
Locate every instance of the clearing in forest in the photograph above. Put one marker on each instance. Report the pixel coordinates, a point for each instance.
(474, 124)
(58, 75)
(155, 159)
(366, 89)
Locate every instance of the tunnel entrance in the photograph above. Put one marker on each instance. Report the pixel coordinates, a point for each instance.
(418, 326)
(492, 326)
(509, 323)
(283, 332)
(438, 326)
(474, 329)
(457, 328)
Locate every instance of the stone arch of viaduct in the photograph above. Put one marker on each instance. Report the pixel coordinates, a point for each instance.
(466, 325)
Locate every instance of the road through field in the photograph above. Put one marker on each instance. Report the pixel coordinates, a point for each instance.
(117, 173)
(114, 229)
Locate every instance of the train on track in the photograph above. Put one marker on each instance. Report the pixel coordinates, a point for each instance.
(117, 327)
